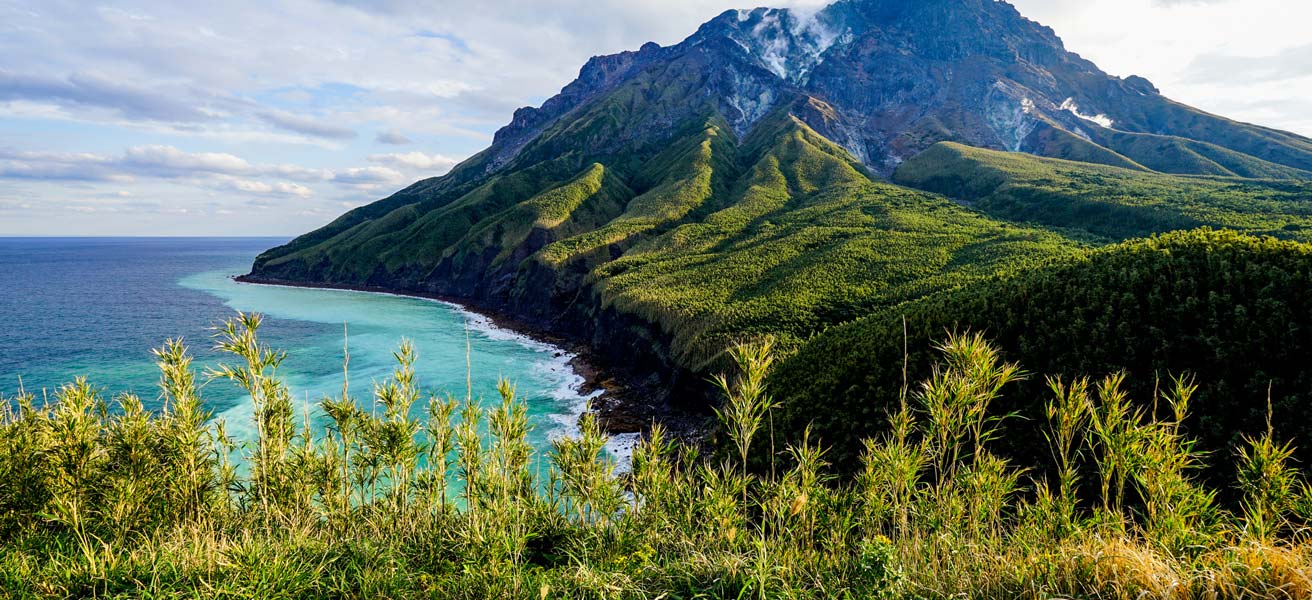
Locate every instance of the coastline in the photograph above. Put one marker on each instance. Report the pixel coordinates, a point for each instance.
(613, 397)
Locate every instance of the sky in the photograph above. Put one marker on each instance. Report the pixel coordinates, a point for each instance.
(274, 117)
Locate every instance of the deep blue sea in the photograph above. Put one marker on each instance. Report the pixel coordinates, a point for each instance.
(96, 307)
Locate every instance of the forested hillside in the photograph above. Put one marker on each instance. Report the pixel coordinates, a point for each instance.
(709, 239)
(1230, 312)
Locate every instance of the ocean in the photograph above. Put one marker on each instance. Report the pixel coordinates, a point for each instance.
(96, 307)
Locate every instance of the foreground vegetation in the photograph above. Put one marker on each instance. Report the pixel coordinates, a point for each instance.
(114, 501)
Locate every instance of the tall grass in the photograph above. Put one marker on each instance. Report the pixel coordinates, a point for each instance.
(103, 498)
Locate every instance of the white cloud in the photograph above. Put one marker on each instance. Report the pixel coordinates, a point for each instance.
(279, 188)
(200, 170)
(165, 160)
(417, 161)
(300, 124)
(393, 138)
(95, 91)
(369, 176)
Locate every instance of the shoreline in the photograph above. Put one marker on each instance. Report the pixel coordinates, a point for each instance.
(615, 406)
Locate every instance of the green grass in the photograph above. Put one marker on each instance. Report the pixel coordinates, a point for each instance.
(1182, 156)
(1055, 142)
(101, 499)
(805, 239)
(1108, 202)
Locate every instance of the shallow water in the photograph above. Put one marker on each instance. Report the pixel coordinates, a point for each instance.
(95, 307)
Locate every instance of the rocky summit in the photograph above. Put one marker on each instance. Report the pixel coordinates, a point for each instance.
(886, 79)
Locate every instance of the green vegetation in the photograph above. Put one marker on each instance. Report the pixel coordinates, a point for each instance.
(1233, 312)
(709, 236)
(805, 239)
(1108, 202)
(118, 502)
(1167, 154)
(647, 220)
(703, 239)
(1055, 142)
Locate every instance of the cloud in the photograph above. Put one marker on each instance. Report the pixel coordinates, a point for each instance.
(1289, 63)
(89, 90)
(393, 138)
(416, 161)
(156, 162)
(1169, 3)
(297, 173)
(265, 188)
(58, 168)
(167, 161)
(307, 126)
(369, 176)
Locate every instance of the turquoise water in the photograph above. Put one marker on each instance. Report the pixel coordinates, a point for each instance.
(95, 307)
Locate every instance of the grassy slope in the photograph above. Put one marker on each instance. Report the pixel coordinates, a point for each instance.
(1233, 310)
(805, 239)
(1105, 201)
(1270, 145)
(708, 238)
(1055, 142)
(593, 198)
(1182, 156)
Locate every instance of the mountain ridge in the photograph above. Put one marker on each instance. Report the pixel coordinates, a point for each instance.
(675, 198)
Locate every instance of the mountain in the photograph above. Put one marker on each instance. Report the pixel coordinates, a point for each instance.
(905, 75)
(673, 199)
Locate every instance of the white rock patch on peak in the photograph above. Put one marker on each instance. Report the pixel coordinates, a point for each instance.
(1100, 120)
(789, 44)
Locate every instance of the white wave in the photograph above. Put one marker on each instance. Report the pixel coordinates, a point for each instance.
(557, 368)
(620, 449)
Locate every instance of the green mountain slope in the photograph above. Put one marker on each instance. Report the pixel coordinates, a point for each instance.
(1170, 154)
(1105, 201)
(1233, 311)
(673, 200)
(805, 239)
(709, 239)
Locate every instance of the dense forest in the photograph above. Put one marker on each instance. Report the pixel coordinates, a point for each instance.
(1228, 312)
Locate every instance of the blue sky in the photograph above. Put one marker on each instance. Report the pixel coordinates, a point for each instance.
(274, 117)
